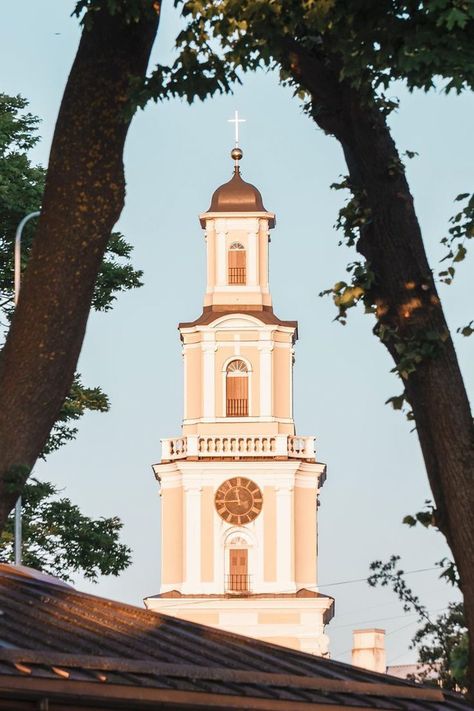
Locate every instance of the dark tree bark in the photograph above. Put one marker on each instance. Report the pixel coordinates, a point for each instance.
(83, 199)
(407, 302)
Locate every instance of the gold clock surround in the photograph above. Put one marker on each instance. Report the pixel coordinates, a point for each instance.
(238, 500)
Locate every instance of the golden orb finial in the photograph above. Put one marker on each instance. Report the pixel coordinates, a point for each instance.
(236, 154)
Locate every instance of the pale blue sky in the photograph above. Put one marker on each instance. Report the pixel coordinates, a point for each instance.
(175, 157)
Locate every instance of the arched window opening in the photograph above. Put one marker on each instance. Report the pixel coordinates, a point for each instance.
(237, 389)
(238, 578)
(237, 264)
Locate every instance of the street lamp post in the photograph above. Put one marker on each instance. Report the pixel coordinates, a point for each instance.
(17, 278)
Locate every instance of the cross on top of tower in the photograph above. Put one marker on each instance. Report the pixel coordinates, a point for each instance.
(236, 153)
(236, 120)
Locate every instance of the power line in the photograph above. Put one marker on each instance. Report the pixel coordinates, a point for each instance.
(383, 619)
(394, 659)
(364, 580)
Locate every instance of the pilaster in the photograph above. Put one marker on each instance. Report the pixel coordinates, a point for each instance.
(192, 512)
(266, 377)
(209, 379)
(252, 259)
(185, 383)
(210, 237)
(285, 537)
(221, 258)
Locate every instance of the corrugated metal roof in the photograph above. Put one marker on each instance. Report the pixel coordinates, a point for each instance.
(59, 644)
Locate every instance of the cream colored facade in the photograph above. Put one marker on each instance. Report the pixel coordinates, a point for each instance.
(267, 351)
(238, 422)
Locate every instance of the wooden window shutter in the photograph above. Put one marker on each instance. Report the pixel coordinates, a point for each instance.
(237, 395)
(237, 266)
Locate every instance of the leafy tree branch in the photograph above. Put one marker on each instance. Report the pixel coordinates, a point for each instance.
(58, 539)
(441, 643)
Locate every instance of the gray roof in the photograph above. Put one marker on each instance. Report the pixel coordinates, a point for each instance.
(66, 649)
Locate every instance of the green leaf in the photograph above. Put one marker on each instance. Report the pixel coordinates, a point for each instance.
(466, 330)
(396, 401)
(456, 17)
(460, 254)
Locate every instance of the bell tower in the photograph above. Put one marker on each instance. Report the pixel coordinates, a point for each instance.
(239, 489)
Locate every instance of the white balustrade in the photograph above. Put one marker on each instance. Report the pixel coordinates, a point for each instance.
(175, 448)
(206, 446)
(301, 447)
(238, 445)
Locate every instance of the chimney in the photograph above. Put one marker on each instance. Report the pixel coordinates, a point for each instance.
(368, 650)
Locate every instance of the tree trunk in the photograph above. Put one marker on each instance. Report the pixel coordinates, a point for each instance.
(83, 199)
(408, 304)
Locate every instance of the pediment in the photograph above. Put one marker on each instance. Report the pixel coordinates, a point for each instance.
(235, 322)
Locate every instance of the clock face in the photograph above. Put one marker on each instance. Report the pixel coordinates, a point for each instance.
(238, 500)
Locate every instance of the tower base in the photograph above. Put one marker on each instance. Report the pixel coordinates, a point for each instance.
(295, 621)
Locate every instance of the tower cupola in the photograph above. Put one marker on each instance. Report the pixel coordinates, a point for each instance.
(237, 195)
(237, 229)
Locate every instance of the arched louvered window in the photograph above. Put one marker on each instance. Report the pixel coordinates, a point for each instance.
(239, 553)
(237, 389)
(237, 264)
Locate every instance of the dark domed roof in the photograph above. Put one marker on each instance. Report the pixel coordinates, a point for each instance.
(237, 196)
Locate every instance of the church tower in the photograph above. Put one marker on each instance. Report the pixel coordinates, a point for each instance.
(239, 488)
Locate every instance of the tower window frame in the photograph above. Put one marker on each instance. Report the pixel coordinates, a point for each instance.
(237, 388)
(237, 265)
(238, 542)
